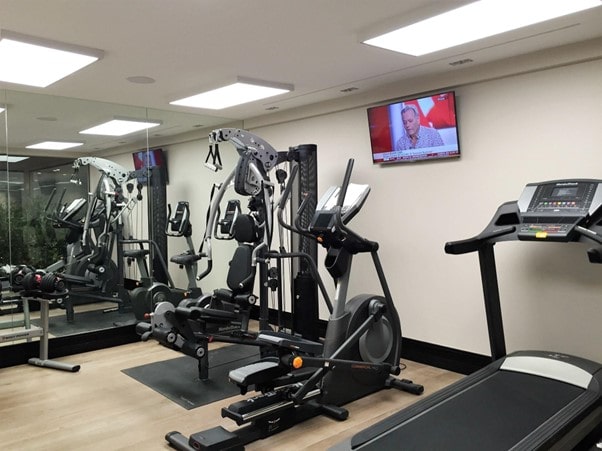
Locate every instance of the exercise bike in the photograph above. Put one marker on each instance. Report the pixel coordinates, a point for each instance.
(147, 292)
(361, 352)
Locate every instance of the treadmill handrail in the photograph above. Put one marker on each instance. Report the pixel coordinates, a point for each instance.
(589, 234)
(473, 244)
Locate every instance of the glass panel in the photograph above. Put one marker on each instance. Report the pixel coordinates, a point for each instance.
(32, 227)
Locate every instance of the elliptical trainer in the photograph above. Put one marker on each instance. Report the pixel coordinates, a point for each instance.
(362, 347)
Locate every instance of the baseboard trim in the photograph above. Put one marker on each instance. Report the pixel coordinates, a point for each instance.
(20, 353)
(456, 360)
(450, 359)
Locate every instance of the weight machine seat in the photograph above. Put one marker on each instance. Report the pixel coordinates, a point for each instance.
(241, 273)
(245, 229)
(186, 259)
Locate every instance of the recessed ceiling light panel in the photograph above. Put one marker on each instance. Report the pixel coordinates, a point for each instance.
(11, 159)
(54, 145)
(243, 91)
(31, 61)
(120, 127)
(475, 21)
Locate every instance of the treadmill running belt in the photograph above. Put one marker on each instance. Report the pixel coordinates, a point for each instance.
(493, 415)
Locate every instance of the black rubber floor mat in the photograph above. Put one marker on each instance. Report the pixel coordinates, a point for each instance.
(178, 379)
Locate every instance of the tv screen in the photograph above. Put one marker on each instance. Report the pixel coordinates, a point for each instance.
(423, 128)
(145, 159)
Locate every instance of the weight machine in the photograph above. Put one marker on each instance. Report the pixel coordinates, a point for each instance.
(191, 325)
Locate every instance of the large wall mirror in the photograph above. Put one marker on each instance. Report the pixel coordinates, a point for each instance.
(56, 218)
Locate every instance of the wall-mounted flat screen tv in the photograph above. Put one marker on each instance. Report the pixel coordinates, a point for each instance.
(145, 159)
(422, 128)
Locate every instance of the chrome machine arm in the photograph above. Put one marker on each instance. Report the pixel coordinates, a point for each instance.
(245, 141)
(250, 177)
(113, 170)
(118, 174)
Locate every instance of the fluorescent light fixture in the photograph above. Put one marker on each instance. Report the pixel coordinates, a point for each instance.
(120, 127)
(27, 60)
(11, 159)
(475, 21)
(54, 145)
(1, 109)
(243, 91)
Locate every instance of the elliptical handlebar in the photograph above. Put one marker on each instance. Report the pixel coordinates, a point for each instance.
(344, 186)
(340, 233)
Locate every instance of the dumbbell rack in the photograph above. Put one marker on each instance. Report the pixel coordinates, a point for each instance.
(30, 331)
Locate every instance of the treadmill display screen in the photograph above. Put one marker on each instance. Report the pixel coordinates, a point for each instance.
(564, 192)
(563, 198)
(551, 210)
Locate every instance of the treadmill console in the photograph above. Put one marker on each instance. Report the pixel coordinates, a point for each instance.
(551, 210)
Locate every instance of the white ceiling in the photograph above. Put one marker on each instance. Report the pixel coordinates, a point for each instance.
(190, 45)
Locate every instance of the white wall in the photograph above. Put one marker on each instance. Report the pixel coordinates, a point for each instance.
(526, 128)
(513, 130)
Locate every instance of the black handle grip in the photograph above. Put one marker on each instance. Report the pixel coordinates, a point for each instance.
(473, 244)
(345, 185)
(289, 187)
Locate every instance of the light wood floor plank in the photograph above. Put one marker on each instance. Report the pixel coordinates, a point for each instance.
(101, 408)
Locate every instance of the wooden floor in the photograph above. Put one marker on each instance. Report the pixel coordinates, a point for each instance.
(101, 408)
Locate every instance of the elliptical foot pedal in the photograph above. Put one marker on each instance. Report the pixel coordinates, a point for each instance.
(335, 412)
(405, 385)
(215, 439)
(178, 441)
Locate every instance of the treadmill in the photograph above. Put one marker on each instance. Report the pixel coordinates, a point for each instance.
(527, 400)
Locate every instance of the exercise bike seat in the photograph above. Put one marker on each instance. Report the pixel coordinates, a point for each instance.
(185, 259)
(135, 253)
